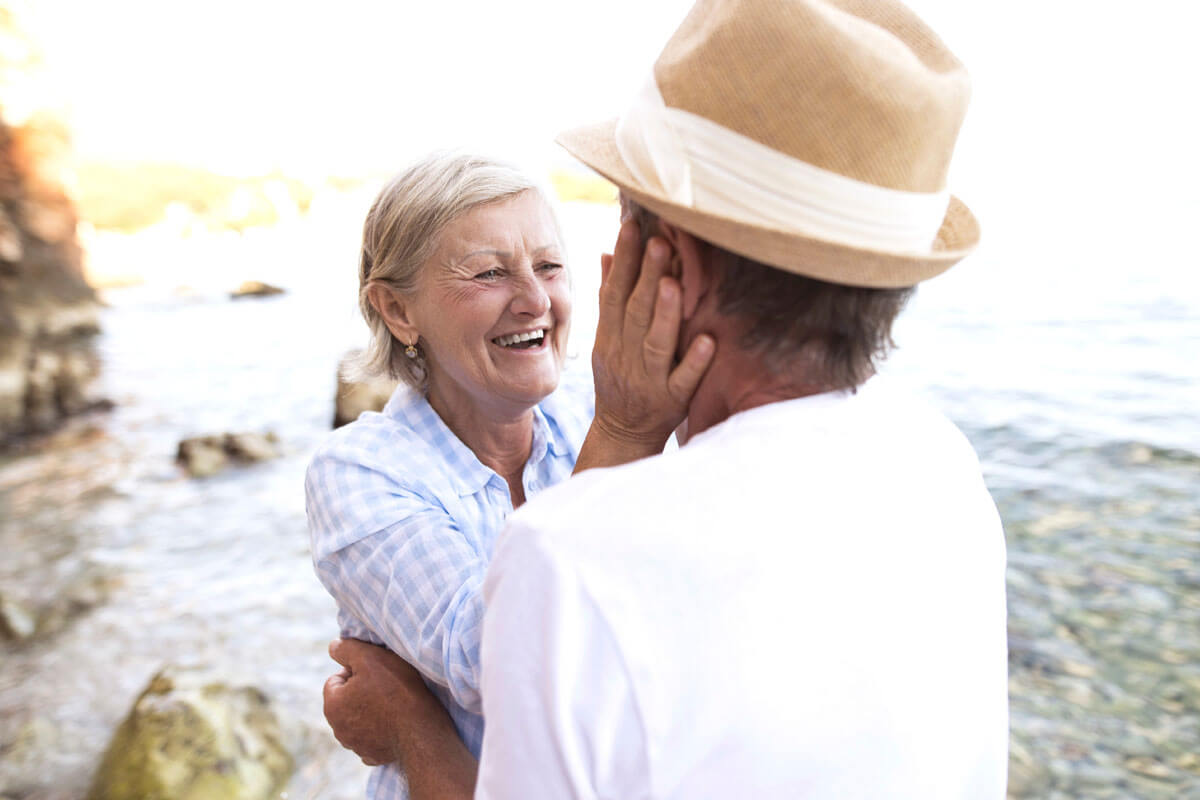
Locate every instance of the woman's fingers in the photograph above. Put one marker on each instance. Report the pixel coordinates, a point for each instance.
(684, 379)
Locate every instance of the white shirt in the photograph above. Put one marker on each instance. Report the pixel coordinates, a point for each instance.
(806, 601)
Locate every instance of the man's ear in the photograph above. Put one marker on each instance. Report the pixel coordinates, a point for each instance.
(392, 306)
(688, 265)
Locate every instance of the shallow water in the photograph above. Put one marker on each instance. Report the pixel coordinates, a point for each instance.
(1084, 407)
(1085, 411)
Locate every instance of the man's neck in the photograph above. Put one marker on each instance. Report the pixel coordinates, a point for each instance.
(737, 382)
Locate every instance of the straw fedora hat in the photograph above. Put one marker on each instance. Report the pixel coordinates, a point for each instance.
(811, 135)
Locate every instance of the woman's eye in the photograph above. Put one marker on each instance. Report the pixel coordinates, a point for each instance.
(488, 275)
(550, 266)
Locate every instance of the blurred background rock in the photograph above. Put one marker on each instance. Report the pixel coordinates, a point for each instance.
(48, 312)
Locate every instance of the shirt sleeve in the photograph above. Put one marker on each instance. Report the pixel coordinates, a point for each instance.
(399, 563)
(562, 717)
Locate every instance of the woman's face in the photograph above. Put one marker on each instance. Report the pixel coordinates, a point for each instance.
(493, 308)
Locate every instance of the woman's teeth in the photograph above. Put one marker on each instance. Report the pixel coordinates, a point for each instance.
(530, 339)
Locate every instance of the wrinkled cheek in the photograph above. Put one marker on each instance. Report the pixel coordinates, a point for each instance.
(563, 321)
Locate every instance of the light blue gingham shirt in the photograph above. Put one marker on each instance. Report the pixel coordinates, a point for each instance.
(403, 518)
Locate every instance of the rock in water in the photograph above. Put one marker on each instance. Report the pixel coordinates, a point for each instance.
(191, 736)
(355, 397)
(16, 622)
(255, 289)
(252, 446)
(202, 456)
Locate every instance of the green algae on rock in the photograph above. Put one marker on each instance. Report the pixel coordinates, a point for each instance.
(192, 736)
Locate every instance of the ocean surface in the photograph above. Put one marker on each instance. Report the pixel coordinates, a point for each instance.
(1078, 384)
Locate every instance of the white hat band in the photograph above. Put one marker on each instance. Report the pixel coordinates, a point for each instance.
(691, 161)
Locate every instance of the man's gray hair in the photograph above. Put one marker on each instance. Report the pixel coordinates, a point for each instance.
(401, 234)
(838, 333)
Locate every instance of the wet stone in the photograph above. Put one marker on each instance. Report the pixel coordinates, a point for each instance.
(78, 593)
(255, 289)
(252, 446)
(193, 735)
(203, 456)
(357, 396)
(1150, 767)
(1134, 745)
(1097, 776)
(16, 621)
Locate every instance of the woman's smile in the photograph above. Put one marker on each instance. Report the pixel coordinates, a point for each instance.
(529, 340)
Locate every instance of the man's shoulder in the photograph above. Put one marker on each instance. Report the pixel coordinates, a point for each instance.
(913, 416)
(807, 446)
(601, 515)
(597, 494)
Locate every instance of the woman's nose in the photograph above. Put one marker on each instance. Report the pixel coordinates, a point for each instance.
(531, 297)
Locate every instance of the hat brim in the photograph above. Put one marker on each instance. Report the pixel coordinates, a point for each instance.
(595, 145)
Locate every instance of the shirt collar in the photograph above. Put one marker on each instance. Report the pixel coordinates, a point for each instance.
(545, 423)
(468, 474)
(412, 410)
(543, 437)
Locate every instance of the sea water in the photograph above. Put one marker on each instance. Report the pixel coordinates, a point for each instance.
(1081, 396)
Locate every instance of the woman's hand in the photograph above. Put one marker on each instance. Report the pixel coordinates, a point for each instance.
(642, 392)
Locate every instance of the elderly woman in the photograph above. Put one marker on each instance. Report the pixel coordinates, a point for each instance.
(464, 286)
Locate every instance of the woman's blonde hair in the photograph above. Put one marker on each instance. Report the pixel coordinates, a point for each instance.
(401, 233)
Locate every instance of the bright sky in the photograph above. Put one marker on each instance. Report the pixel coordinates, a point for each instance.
(1076, 105)
(300, 82)
(249, 84)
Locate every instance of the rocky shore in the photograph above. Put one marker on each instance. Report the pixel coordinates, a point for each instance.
(48, 313)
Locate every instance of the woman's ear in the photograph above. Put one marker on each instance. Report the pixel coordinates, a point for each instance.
(688, 265)
(391, 304)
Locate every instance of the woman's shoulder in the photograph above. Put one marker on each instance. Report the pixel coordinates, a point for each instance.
(393, 442)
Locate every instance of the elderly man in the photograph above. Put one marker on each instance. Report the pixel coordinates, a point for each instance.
(807, 599)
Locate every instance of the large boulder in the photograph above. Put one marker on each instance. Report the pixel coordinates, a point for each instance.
(355, 397)
(192, 736)
(48, 313)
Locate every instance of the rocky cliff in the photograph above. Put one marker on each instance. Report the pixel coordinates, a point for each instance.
(48, 313)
